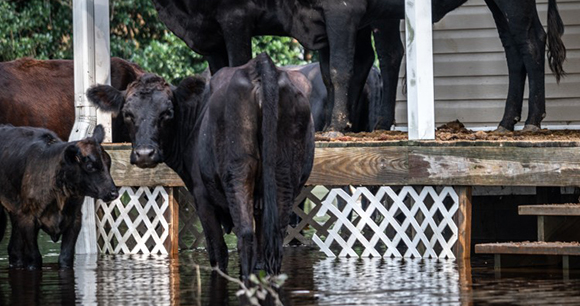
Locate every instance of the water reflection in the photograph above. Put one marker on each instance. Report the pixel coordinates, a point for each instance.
(372, 281)
(23, 287)
(313, 280)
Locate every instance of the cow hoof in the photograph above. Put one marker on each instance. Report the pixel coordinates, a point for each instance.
(531, 128)
(332, 134)
(16, 266)
(501, 129)
(32, 267)
(65, 268)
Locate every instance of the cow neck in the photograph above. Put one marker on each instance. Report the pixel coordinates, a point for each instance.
(179, 150)
(44, 180)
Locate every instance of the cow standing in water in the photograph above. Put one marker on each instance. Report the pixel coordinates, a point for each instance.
(40, 93)
(43, 183)
(244, 147)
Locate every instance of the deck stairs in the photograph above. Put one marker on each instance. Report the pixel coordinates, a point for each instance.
(558, 236)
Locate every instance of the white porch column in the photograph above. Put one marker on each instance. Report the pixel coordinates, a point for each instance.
(420, 96)
(91, 65)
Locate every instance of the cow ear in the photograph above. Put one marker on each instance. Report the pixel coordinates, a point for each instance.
(190, 88)
(72, 154)
(99, 133)
(107, 98)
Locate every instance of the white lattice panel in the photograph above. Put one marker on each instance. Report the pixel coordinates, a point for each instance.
(407, 223)
(135, 222)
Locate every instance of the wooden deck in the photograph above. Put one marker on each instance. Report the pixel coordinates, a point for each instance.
(402, 163)
(453, 163)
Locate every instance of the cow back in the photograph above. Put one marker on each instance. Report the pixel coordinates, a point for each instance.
(40, 93)
(21, 148)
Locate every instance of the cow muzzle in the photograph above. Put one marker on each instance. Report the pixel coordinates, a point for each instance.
(145, 156)
(111, 195)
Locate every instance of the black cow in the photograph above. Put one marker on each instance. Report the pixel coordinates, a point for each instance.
(40, 93)
(244, 148)
(363, 114)
(524, 41)
(43, 183)
(341, 30)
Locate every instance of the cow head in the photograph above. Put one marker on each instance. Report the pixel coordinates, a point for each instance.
(86, 166)
(148, 107)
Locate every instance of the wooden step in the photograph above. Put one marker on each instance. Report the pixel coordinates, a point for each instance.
(572, 209)
(530, 248)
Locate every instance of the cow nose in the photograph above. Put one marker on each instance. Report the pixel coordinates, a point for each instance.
(114, 194)
(144, 152)
(145, 156)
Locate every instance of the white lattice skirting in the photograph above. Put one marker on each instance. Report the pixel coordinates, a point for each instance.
(411, 222)
(134, 223)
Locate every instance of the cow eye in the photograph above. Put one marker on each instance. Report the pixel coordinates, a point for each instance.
(90, 166)
(168, 114)
(128, 117)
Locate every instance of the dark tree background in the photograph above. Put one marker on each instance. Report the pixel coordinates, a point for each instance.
(42, 29)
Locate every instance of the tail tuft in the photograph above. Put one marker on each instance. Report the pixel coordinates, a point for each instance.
(556, 48)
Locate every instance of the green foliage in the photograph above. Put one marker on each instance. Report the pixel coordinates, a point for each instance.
(43, 29)
(283, 50)
(35, 28)
(169, 57)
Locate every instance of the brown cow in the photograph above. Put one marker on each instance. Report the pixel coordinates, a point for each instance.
(43, 182)
(40, 93)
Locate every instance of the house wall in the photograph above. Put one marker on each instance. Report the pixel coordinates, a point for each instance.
(471, 77)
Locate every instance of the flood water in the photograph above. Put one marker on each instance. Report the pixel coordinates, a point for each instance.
(313, 279)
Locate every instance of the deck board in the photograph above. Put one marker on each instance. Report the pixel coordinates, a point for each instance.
(529, 248)
(550, 210)
(432, 163)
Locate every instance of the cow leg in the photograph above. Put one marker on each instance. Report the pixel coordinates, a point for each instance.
(240, 196)
(363, 61)
(324, 55)
(238, 36)
(525, 54)
(15, 246)
(390, 52)
(213, 232)
(516, 70)
(216, 62)
(218, 59)
(69, 237)
(341, 25)
(23, 246)
(2, 222)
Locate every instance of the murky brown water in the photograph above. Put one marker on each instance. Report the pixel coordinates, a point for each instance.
(313, 279)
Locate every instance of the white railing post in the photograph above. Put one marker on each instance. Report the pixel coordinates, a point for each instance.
(91, 65)
(420, 93)
(103, 59)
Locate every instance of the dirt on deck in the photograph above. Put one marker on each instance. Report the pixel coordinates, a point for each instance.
(456, 131)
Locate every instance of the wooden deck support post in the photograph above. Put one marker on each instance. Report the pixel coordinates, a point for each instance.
(420, 92)
(463, 221)
(172, 217)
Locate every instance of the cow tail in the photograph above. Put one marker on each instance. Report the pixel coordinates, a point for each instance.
(556, 48)
(270, 96)
(2, 222)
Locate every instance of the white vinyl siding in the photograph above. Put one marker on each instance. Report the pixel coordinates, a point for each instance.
(470, 70)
